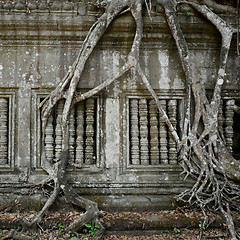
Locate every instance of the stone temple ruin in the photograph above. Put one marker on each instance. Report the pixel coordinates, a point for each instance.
(128, 158)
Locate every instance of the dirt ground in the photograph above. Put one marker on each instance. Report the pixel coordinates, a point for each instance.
(53, 226)
(184, 234)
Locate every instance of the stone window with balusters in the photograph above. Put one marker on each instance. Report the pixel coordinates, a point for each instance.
(150, 140)
(83, 133)
(146, 136)
(7, 118)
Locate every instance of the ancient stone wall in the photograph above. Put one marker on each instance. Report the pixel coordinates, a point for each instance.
(128, 158)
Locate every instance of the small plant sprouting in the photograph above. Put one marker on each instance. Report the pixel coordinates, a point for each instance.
(92, 228)
(190, 231)
(18, 227)
(189, 14)
(70, 234)
(59, 227)
(202, 225)
(176, 230)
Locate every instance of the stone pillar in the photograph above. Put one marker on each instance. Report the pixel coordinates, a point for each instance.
(154, 150)
(112, 120)
(49, 140)
(172, 113)
(80, 133)
(90, 157)
(23, 148)
(134, 140)
(58, 130)
(163, 136)
(72, 135)
(143, 113)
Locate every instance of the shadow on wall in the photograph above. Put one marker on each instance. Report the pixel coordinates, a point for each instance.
(236, 134)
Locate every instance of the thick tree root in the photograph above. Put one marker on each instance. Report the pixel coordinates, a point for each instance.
(13, 234)
(203, 154)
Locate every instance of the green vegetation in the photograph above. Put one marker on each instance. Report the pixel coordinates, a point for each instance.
(91, 228)
(176, 230)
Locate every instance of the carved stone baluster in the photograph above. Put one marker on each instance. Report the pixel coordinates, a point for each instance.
(3, 130)
(143, 112)
(58, 130)
(154, 151)
(134, 132)
(90, 158)
(72, 135)
(49, 140)
(229, 112)
(172, 113)
(80, 133)
(163, 136)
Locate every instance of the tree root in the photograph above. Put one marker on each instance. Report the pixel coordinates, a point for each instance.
(201, 154)
(13, 234)
(58, 171)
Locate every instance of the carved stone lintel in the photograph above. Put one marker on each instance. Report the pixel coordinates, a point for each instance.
(80, 133)
(3, 131)
(143, 113)
(135, 158)
(154, 143)
(229, 112)
(90, 157)
(163, 136)
(172, 112)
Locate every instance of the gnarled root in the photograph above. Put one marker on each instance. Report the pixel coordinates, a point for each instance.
(14, 234)
(92, 213)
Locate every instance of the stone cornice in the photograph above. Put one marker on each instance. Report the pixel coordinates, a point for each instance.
(52, 25)
(30, 5)
(78, 6)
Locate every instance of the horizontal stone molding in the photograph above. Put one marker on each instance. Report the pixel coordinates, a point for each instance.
(18, 28)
